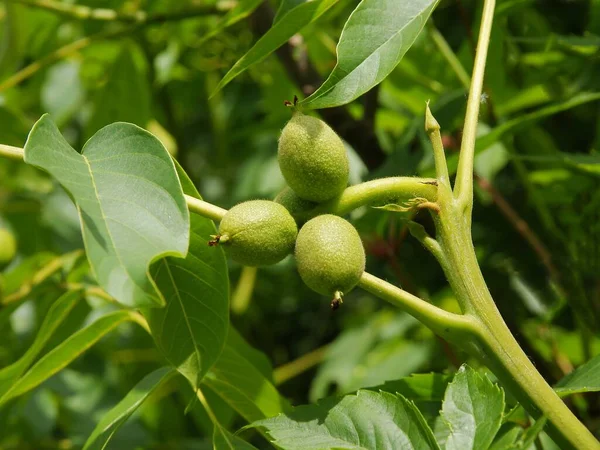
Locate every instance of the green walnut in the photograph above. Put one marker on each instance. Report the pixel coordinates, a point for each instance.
(8, 246)
(330, 256)
(257, 233)
(297, 206)
(312, 158)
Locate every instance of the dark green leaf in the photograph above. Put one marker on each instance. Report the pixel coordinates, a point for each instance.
(129, 198)
(373, 41)
(191, 329)
(367, 420)
(113, 419)
(472, 411)
(242, 385)
(224, 440)
(241, 10)
(125, 97)
(288, 25)
(61, 356)
(585, 378)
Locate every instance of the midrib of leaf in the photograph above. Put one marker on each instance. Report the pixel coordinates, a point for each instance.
(410, 22)
(112, 241)
(185, 315)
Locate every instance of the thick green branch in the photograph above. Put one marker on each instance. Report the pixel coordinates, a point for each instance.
(379, 192)
(454, 328)
(463, 187)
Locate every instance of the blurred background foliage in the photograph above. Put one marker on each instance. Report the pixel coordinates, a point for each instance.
(536, 224)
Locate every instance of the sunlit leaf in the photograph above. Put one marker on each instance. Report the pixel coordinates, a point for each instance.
(373, 41)
(62, 355)
(117, 416)
(471, 413)
(367, 420)
(129, 198)
(54, 318)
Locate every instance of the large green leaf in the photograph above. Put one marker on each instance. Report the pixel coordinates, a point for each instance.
(62, 355)
(471, 413)
(585, 378)
(130, 202)
(373, 41)
(191, 329)
(54, 318)
(242, 384)
(290, 23)
(117, 416)
(367, 420)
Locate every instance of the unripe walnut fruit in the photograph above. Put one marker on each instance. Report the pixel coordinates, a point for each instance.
(330, 255)
(257, 233)
(8, 246)
(297, 206)
(312, 158)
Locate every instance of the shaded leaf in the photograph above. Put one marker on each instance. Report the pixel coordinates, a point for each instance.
(62, 355)
(585, 378)
(242, 385)
(129, 198)
(54, 318)
(191, 329)
(472, 411)
(125, 96)
(289, 24)
(241, 10)
(367, 420)
(374, 39)
(224, 440)
(117, 416)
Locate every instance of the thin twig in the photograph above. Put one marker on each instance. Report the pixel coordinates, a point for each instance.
(81, 12)
(300, 365)
(82, 43)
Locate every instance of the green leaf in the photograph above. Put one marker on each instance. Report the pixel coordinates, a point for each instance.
(62, 355)
(374, 39)
(585, 378)
(191, 329)
(242, 385)
(285, 6)
(224, 440)
(472, 411)
(288, 25)
(130, 202)
(54, 318)
(117, 416)
(367, 420)
(419, 387)
(241, 10)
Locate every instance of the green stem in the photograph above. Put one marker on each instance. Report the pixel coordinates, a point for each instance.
(454, 328)
(199, 207)
(432, 127)
(496, 346)
(379, 192)
(463, 187)
(204, 208)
